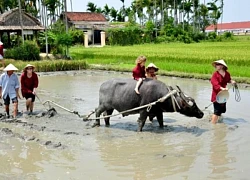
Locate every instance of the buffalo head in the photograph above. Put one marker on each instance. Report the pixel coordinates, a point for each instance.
(187, 105)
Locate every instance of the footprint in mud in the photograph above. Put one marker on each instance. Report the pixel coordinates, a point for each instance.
(232, 128)
(79, 99)
(49, 144)
(68, 133)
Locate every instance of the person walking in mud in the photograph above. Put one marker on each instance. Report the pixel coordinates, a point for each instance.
(139, 73)
(151, 69)
(9, 89)
(219, 81)
(29, 84)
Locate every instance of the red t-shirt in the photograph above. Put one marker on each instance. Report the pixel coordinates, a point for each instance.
(1, 50)
(218, 81)
(28, 84)
(139, 72)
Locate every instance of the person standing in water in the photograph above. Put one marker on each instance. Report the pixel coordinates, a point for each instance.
(29, 84)
(9, 89)
(219, 81)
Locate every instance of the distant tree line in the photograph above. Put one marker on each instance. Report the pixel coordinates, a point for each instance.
(193, 13)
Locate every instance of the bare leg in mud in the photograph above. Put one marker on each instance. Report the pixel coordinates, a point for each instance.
(215, 119)
(29, 105)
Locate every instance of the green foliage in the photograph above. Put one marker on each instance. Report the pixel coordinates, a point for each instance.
(228, 35)
(197, 37)
(64, 39)
(212, 36)
(128, 36)
(77, 36)
(164, 39)
(29, 51)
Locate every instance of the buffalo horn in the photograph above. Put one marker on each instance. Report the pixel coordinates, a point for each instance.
(188, 102)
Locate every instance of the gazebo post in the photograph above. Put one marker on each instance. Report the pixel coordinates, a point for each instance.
(8, 34)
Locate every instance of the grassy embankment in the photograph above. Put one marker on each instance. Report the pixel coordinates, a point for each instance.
(50, 65)
(173, 59)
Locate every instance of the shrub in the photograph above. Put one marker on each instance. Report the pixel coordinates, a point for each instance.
(127, 36)
(212, 35)
(77, 36)
(160, 39)
(29, 51)
(228, 35)
(197, 37)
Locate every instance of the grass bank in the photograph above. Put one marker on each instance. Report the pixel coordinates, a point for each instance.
(48, 65)
(173, 59)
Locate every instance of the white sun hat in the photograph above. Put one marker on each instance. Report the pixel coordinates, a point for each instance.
(10, 67)
(151, 65)
(221, 61)
(1, 43)
(222, 96)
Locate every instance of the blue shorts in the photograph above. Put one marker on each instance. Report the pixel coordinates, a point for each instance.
(7, 100)
(219, 108)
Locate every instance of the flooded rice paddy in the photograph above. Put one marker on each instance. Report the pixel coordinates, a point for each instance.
(65, 147)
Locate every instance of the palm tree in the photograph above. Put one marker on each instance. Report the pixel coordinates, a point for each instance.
(99, 10)
(222, 8)
(215, 14)
(123, 10)
(91, 7)
(52, 5)
(113, 14)
(106, 12)
(204, 16)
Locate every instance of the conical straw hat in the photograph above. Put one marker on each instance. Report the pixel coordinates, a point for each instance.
(222, 96)
(10, 67)
(221, 61)
(151, 65)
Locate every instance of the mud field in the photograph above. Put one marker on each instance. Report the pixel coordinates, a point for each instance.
(64, 147)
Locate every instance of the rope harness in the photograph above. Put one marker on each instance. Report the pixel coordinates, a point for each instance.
(237, 93)
(148, 106)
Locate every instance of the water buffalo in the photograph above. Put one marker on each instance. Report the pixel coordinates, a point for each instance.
(119, 94)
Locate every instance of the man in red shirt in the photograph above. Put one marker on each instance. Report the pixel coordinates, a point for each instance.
(219, 81)
(1, 54)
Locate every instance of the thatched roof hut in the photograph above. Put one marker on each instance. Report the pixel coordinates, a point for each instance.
(10, 22)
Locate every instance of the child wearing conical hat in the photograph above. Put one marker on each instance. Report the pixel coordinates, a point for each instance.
(151, 71)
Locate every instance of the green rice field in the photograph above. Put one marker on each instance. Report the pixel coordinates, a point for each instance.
(175, 59)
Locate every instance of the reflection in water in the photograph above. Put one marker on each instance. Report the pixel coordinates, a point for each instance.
(219, 159)
(146, 155)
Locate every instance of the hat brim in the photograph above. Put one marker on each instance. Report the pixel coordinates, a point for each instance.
(156, 69)
(214, 64)
(222, 96)
(28, 67)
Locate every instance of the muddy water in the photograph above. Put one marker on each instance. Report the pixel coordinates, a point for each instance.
(64, 147)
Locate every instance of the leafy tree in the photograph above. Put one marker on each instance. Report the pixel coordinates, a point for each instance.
(91, 7)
